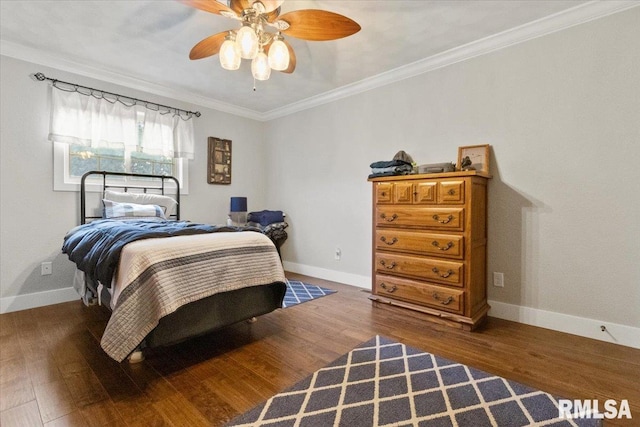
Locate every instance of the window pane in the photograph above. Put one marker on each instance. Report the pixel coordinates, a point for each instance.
(141, 166)
(78, 165)
(83, 159)
(163, 169)
(151, 164)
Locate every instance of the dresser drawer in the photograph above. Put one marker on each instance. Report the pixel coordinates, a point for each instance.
(450, 192)
(384, 192)
(447, 272)
(433, 296)
(418, 217)
(421, 243)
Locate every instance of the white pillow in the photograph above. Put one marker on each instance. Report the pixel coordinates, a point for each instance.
(167, 203)
(115, 210)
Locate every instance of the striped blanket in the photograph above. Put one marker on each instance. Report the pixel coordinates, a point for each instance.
(157, 276)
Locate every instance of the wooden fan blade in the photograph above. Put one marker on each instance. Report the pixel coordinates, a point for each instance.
(209, 46)
(239, 5)
(318, 25)
(208, 6)
(292, 59)
(273, 15)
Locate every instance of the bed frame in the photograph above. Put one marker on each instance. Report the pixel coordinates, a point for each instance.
(158, 186)
(199, 317)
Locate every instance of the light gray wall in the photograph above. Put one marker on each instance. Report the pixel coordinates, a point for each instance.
(34, 218)
(562, 114)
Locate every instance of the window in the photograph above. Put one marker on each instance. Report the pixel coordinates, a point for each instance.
(72, 161)
(118, 159)
(97, 134)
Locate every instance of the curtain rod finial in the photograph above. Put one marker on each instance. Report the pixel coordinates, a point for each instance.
(38, 77)
(198, 114)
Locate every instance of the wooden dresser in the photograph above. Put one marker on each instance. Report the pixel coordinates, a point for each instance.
(429, 245)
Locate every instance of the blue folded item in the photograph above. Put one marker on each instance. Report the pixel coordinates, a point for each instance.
(388, 164)
(266, 217)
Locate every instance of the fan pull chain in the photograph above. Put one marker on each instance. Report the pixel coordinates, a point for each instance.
(254, 84)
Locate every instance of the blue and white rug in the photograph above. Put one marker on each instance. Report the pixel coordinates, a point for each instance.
(385, 383)
(298, 292)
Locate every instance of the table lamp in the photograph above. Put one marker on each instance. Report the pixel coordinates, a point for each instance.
(238, 211)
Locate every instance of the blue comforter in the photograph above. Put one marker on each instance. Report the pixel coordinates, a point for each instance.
(95, 247)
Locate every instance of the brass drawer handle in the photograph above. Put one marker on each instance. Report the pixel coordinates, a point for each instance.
(442, 248)
(384, 216)
(443, 302)
(444, 221)
(445, 275)
(393, 241)
(384, 193)
(391, 289)
(451, 192)
(390, 266)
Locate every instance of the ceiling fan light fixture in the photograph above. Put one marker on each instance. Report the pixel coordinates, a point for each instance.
(247, 41)
(260, 67)
(278, 55)
(260, 37)
(230, 54)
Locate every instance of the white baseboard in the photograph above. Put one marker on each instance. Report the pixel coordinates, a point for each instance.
(326, 274)
(37, 299)
(590, 328)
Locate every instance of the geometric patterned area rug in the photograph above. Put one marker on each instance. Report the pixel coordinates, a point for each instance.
(298, 292)
(385, 383)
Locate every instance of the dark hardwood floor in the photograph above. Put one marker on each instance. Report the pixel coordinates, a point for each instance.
(54, 373)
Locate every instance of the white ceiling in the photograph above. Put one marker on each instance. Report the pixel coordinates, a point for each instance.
(146, 44)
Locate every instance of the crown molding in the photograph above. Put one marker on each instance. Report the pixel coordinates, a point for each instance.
(577, 15)
(581, 14)
(73, 65)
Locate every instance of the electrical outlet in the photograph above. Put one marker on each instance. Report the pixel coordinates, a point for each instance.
(498, 279)
(46, 268)
(338, 254)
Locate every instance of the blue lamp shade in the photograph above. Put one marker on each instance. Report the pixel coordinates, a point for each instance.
(238, 204)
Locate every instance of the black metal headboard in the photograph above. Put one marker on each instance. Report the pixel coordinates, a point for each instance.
(159, 187)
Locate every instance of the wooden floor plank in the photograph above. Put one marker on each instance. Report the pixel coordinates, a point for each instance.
(9, 346)
(15, 385)
(22, 415)
(74, 419)
(54, 400)
(85, 388)
(53, 371)
(102, 413)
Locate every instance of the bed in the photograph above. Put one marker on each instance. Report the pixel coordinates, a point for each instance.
(165, 280)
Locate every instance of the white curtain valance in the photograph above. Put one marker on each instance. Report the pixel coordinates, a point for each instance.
(97, 122)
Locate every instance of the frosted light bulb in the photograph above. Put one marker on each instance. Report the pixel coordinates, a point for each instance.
(247, 42)
(230, 55)
(260, 67)
(278, 56)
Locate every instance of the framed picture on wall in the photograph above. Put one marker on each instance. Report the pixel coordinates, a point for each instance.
(219, 161)
(474, 157)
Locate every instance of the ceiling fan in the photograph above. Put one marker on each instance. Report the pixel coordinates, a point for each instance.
(260, 38)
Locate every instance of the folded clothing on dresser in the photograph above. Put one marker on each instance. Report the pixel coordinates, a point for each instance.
(390, 168)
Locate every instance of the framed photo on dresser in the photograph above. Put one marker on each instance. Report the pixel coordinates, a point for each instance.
(474, 157)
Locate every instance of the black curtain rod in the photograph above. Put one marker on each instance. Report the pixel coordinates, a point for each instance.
(41, 77)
